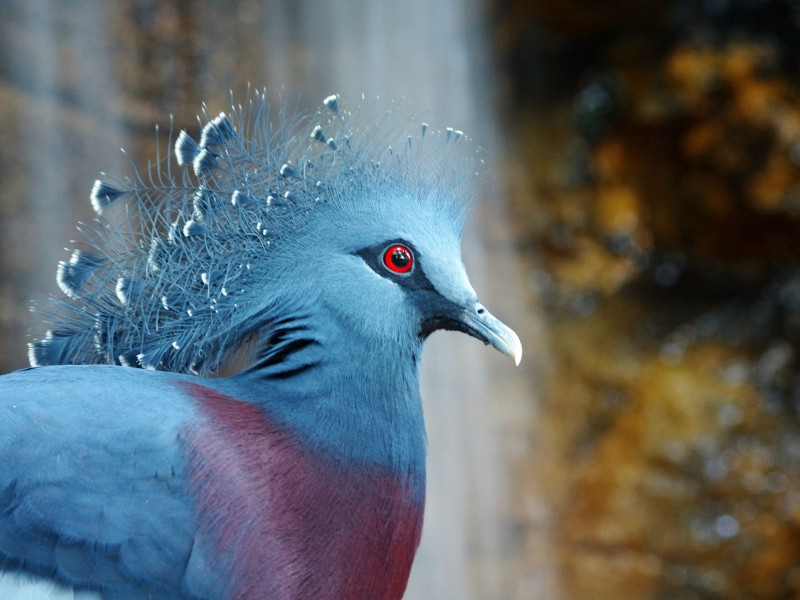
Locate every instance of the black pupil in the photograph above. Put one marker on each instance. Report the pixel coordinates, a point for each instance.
(400, 258)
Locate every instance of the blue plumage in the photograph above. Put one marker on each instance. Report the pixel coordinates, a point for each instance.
(97, 519)
(328, 245)
(181, 227)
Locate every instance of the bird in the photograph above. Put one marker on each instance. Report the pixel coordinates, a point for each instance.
(323, 246)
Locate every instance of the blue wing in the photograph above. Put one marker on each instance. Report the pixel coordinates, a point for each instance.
(92, 488)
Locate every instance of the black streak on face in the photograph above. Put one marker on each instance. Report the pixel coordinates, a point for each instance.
(437, 311)
(415, 280)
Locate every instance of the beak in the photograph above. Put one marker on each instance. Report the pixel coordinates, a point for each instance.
(486, 327)
(479, 323)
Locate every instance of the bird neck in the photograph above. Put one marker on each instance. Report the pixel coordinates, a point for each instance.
(343, 394)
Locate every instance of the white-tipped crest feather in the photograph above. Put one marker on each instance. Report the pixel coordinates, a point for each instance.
(200, 260)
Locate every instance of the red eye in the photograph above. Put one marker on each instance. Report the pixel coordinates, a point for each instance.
(398, 259)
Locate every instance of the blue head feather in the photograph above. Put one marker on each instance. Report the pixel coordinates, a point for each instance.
(264, 219)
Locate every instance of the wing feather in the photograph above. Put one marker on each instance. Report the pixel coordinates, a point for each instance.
(92, 485)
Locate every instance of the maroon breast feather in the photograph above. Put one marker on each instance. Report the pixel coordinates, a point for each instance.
(289, 524)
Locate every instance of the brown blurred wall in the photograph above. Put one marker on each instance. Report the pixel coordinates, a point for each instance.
(655, 172)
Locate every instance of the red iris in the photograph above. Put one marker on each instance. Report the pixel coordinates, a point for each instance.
(398, 259)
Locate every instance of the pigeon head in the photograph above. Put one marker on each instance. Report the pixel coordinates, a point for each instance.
(393, 273)
(339, 221)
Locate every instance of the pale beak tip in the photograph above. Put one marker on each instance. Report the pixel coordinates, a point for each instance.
(516, 350)
(510, 345)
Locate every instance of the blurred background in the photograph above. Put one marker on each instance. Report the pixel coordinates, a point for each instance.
(641, 235)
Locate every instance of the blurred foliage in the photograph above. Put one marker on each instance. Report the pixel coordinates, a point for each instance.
(656, 176)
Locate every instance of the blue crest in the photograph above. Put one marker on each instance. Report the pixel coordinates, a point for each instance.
(204, 255)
